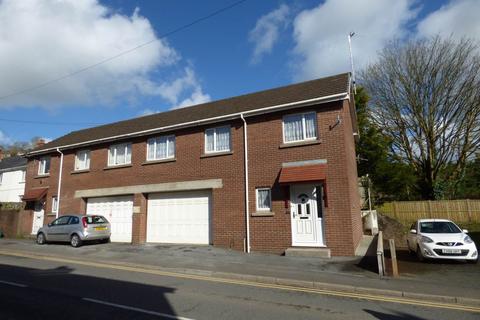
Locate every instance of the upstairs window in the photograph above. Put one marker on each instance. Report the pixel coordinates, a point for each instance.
(217, 139)
(82, 160)
(161, 148)
(120, 154)
(299, 127)
(44, 166)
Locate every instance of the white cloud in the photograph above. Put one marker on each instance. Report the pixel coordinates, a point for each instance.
(4, 139)
(265, 34)
(181, 92)
(320, 34)
(147, 112)
(43, 40)
(457, 19)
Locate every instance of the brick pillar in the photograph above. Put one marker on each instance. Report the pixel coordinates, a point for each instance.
(139, 223)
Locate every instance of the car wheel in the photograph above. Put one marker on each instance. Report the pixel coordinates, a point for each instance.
(420, 256)
(41, 238)
(75, 241)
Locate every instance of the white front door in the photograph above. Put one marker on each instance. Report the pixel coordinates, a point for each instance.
(179, 217)
(306, 211)
(38, 214)
(118, 211)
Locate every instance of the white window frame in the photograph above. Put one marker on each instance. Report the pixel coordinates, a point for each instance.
(215, 139)
(154, 140)
(111, 163)
(269, 209)
(86, 153)
(41, 165)
(54, 204)
(304, 127)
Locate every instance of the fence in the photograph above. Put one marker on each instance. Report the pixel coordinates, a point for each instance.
(460, 211)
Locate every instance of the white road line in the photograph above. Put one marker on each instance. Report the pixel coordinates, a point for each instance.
(14, 284)
(169, 316)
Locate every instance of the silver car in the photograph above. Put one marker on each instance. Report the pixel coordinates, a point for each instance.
(75, 229)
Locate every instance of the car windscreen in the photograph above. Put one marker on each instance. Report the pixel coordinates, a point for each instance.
(96, 219)
(438, 227)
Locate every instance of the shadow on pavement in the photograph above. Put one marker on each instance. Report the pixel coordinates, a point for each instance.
(396, 316)
(59, 294)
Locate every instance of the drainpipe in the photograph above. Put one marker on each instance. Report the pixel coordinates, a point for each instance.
(247, 211)
(59, 183)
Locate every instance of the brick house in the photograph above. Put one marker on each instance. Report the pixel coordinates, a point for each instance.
(180, 176)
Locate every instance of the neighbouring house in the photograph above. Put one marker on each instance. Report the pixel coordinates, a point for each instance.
(266, 171)
(12, 178)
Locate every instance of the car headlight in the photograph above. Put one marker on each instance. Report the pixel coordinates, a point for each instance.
(425, 239)
(467, 239)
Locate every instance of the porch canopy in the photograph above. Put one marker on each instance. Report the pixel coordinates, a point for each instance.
(34, 194)
(305, 173)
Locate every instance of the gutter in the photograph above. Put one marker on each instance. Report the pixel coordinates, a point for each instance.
(247, 209)
(286, 106)
(59, 183)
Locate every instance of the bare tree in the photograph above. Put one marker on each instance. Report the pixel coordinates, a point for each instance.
(426, 97)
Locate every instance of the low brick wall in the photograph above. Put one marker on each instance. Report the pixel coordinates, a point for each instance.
(15, 223)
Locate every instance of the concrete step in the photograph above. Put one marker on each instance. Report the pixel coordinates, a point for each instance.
(308, 252)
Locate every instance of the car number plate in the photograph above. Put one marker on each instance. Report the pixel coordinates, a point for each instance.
(100, 228)
(451, 251)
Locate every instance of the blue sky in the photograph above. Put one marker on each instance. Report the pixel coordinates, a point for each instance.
(253, 46)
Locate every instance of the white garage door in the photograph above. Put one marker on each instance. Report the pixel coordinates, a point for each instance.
(117, 210)
(180, 217)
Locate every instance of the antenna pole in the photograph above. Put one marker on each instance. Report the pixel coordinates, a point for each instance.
(350, 35)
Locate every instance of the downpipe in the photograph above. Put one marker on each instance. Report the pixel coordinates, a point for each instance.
(59, 183)
(247, 210)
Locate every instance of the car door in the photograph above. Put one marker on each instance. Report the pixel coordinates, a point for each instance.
(57, 229)
(72, 227)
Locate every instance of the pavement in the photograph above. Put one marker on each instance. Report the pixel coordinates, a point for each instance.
(445, 282)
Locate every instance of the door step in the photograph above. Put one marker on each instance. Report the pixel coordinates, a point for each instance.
(308, 252)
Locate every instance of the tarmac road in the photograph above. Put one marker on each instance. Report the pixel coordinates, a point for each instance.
(32, 288)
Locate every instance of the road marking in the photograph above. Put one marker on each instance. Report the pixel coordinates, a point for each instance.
(121, 306)
(14, 284)
(140, 269)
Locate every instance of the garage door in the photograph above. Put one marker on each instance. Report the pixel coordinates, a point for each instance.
(180, 217)
(118, 210)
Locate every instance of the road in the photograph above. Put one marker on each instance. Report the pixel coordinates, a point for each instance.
(33, 288)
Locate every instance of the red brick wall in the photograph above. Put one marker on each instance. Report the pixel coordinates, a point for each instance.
(265, 159)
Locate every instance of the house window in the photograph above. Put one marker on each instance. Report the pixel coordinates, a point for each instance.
(120, 154)
(24, 173)
(54, 204)
(217, 139)
(161, 148)
(264, 199)
(82, 160)
(299, 127)
(44, 166)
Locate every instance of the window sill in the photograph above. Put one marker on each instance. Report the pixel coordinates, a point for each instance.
(79, 171)
(51, 214)
(299, 144)
(216, 154)
(148, 162)
(118, 167)
(262, 214)
(41, 176)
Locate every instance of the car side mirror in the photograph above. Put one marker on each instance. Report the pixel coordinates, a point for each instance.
(413, 231)
(50, 224)
(465, 231)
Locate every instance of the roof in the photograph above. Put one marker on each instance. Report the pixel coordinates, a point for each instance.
(34, 194)
(12, 162)
(314, 89)
(308, 173)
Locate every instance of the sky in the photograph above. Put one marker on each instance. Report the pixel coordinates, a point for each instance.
(73, 64)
